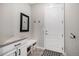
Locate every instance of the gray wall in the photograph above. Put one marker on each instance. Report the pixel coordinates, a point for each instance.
(72, 26)
(10, 19)
(38, 15)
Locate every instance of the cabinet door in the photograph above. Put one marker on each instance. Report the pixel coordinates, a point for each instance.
(11, 53)
(22, 51)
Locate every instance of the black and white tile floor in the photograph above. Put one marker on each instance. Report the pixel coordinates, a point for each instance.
(51, 53)
(44, 52)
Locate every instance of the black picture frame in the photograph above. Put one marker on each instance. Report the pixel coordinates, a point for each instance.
(24, 23)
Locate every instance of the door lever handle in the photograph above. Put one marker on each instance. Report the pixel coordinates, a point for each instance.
(46, 31)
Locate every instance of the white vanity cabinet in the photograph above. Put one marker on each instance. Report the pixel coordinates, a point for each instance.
(10, 53)
(18, 48)
(19, 51)
(14, 49)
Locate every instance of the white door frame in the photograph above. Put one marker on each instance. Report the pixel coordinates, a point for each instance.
(63, 29)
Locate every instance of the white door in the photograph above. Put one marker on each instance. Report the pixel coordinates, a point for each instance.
(54, 27)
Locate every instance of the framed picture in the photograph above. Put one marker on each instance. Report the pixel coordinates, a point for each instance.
(24, 22)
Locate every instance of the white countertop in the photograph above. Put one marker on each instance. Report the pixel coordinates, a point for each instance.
(30, 42)
(16, 39)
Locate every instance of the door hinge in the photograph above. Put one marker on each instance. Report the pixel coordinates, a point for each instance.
(62, 21)
(62, 48)
(62, 35)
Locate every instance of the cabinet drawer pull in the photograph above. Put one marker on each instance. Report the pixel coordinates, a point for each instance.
(15, 53)
(18, 44)
(19, 52)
